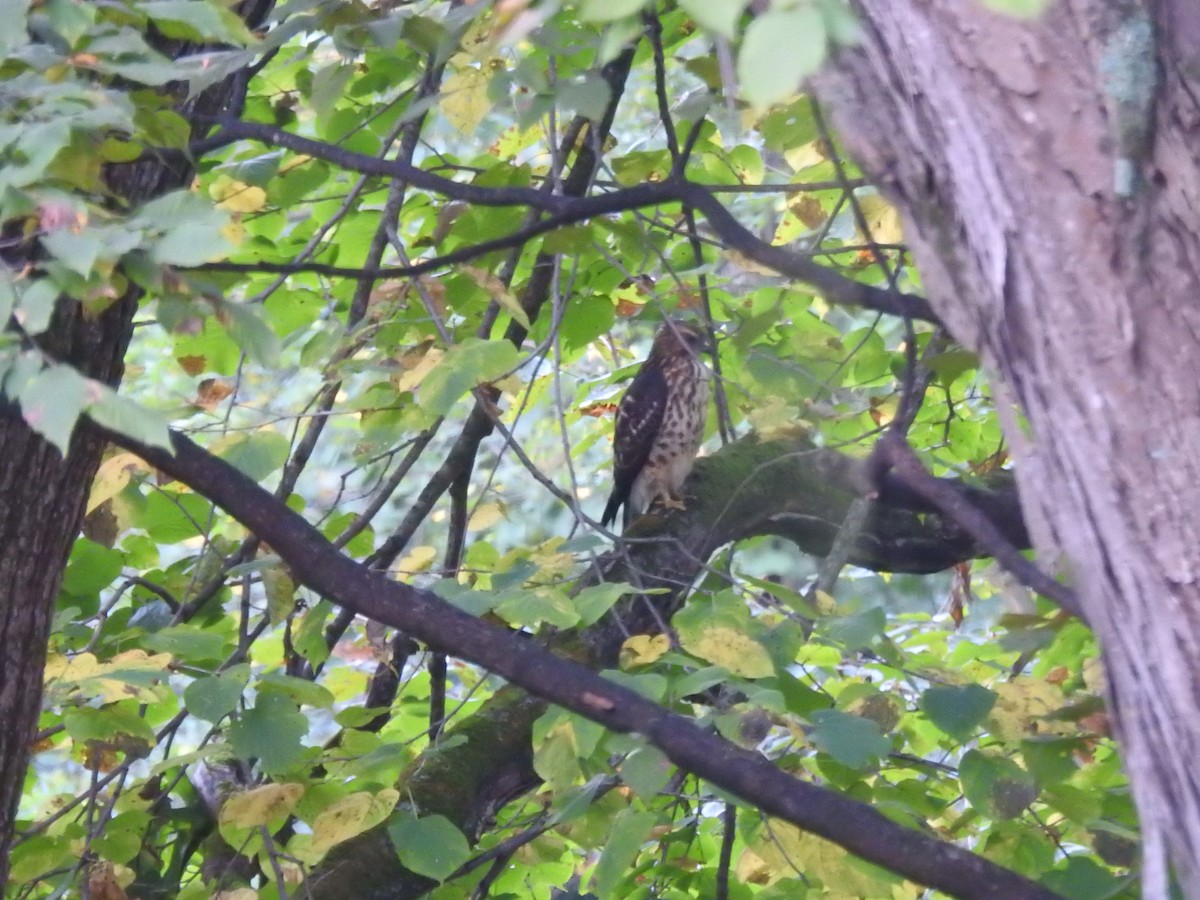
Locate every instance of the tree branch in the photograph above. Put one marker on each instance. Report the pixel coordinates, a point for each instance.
(750, 776)
(564, 210)
(892, 451)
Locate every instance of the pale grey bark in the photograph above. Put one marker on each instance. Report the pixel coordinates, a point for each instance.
(992, 135)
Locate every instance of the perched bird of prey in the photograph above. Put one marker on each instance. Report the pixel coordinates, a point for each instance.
(660, 423)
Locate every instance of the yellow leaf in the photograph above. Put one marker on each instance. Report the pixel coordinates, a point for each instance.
(776, 419)
(351, 816)
(234, 232)
(281, 593)
(1094, 676)
(121, 678)
(419, 368)
(485, 516)
(513, 140)
(1022, 706)
(464, 99)
(643, 649)
(140, 659)
(237, 196)
(806, 155)
(883, 220)
(553, 565)
(418, 560)
(260, 805)
(731, 649)
(114, 473)
(825, 603)
(789, 228)
(294, 162)
(784, 849)
(753, 869)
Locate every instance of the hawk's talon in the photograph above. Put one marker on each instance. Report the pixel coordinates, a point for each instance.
(669, 502)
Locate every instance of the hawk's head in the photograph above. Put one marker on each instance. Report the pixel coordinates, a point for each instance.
(680, 337)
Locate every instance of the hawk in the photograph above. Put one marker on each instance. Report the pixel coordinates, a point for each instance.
(660, 423)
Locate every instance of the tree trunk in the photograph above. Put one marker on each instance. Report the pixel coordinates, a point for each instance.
(993, 137)
(41, 504)
(42, 495)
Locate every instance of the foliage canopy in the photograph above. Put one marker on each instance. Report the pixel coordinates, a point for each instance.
(403, 292)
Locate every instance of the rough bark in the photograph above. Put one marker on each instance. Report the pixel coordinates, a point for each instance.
(41, 505)
(993, 137)
(42, 495)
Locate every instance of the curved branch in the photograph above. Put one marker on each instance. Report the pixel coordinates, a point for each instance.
(563, 210)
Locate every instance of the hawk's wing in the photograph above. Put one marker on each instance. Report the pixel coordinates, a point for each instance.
(638, 419)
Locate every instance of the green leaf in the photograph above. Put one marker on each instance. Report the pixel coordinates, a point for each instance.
(996, 786)
(719, 16)
(183, 228)
(52, 400)
(329, 86)
(270, 732)
(246, 326)
(36, 305)
(127, 417)
(609, 10)
(91, 569)
(718, 634)
(780, 49)
(593, 602)
(196, 20)
(188, 642)
(11, 37)
(169, 517)
(430, 846)
(89, 724)
(855, 631)
(257, 454)
(467, 364)
(77, 250)
(37, 854)
(531, 606)
(469, 600)
(587, 96)
(301, 690)
(629, 831)
(309, 637)
(957, 710)
(556, 758)
(214, 697)
(851, 740)
(1080, 878)
(647, 771)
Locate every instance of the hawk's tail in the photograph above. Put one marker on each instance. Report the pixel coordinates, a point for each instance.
(610, 510)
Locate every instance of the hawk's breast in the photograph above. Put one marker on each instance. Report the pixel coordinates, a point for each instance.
(682, 428)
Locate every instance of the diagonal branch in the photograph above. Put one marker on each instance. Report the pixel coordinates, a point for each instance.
(750, 776)
(893, 452)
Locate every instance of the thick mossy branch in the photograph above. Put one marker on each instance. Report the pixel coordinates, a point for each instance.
(747, 489)
(474, 769)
